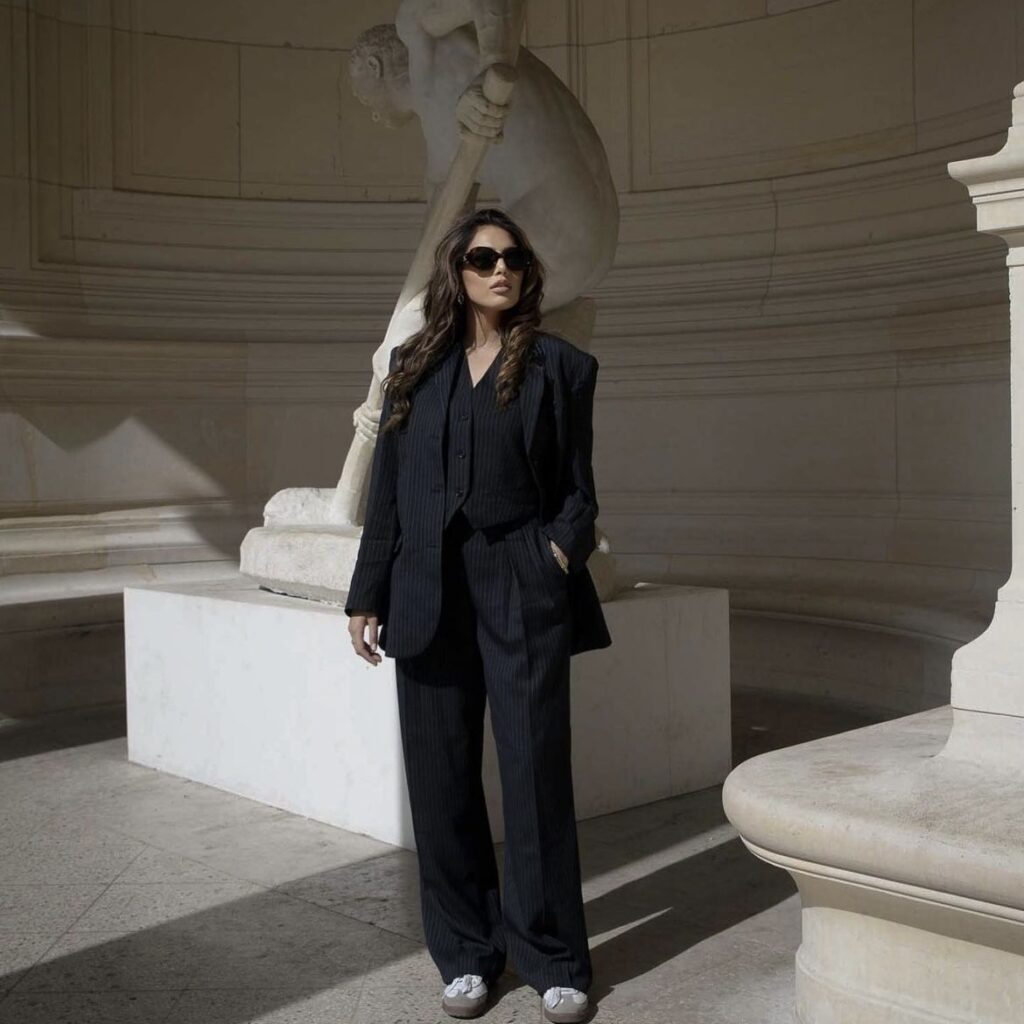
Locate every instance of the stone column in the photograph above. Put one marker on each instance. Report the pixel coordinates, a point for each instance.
(988, 673)
(906, 838)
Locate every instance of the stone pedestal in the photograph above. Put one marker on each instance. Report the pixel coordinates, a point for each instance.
(906, 838)
(260, 694)
(910, 870)
(299, 550)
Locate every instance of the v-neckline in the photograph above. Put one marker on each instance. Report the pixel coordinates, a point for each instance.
(473, 384)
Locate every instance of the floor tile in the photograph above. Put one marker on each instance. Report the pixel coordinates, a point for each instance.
(335, 1005)
(70, 853)
(130, 906)
(129, 895)
(87, 1008)
(18, 953)
(45, 909)
(383, 891)
(274, 849)
(97, 962)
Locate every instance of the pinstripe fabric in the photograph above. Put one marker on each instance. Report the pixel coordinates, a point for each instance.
(495, 484)
(398, 568)
(504, 636)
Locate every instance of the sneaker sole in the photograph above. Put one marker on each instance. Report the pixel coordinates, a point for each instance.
(570, 1017)
(465, 1012)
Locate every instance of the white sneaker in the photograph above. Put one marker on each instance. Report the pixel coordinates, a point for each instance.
(562, 1004)
(465, 996)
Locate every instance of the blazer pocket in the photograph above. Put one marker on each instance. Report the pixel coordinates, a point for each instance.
(548, 556)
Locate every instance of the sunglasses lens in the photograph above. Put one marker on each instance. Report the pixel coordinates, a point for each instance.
(517, 259)
(482, 258)
(485, 258)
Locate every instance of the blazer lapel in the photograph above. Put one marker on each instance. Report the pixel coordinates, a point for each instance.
(444, 376)
(531, 390)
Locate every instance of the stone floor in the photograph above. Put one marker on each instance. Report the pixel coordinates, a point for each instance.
(128, 895)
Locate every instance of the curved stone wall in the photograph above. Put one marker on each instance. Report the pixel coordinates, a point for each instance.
(804, 342)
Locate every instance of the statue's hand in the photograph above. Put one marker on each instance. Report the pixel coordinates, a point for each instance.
(477, 115)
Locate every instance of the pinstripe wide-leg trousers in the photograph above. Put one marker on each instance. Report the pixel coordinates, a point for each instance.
(503, 637)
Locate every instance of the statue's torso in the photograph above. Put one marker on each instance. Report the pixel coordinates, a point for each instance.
(550, 171)
(546, 126)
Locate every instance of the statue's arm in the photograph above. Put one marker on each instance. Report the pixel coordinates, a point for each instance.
(498, 23)
(435, 17)
(499, 27)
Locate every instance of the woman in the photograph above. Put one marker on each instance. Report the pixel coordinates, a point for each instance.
(472, 566)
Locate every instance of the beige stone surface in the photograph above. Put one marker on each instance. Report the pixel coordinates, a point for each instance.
(218, 678)
(907, 856)
(172, 124)
(211, 909)
(303, 24)
(905, 837)
(664, 17)
(952, 79)
(802, 324)
(852, 57)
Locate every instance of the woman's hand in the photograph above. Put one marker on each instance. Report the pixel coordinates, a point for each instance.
(563, 559)
(357, 624)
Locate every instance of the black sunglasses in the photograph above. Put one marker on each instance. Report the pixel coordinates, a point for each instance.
(483, 257)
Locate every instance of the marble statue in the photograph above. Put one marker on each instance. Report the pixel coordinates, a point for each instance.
(547, 165)
(492, 115)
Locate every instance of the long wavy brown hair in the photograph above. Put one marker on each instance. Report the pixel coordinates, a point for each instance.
(445, 317)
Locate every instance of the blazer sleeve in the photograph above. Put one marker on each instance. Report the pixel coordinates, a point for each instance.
(368, 590)
(572, 529)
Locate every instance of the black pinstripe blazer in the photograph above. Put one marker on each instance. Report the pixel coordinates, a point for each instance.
(398, 568)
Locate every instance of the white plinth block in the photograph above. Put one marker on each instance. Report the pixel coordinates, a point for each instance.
(260, 694)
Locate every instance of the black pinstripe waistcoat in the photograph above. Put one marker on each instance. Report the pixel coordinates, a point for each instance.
(397, 574)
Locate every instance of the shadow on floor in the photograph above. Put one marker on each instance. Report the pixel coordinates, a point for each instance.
(60, 730)
(346, 942)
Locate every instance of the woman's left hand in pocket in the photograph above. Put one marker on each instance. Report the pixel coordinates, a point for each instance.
(563, 560)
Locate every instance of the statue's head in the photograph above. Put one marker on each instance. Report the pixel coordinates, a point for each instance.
(379, 69)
